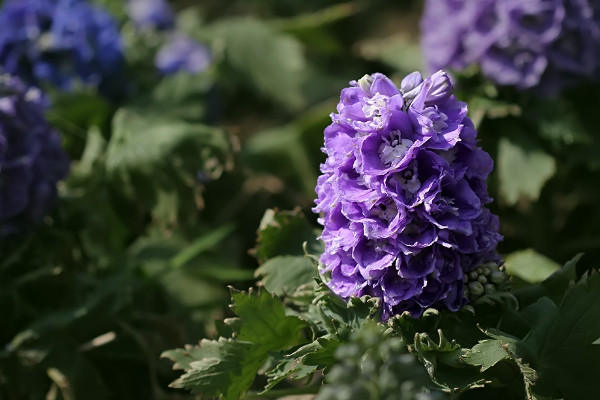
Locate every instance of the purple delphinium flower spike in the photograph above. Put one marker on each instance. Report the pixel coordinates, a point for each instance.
(544, 45)
(403, 195)
(31, 157)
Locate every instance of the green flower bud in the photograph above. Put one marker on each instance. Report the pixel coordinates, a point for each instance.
(489, 288)
(498, 277)
(476, 288)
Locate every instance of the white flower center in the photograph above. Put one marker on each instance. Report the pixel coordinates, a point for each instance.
(438, 119)
(409, 180)
(387, 212)
(374, 108)
(394, 148)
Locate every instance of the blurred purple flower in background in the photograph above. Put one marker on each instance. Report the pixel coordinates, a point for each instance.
(541, 44)
(60, 42)
(181, 53)
(155, 14)
(402, 195)
(31, 157)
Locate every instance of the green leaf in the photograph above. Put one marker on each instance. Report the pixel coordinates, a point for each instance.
(557, 283)
(75, 376)
(282, 233)
(578, 323)
(219, 368)
(283, 275)
(553, 287)
(540, 316)
(561, 341)
(282, 146)
(311, 28)
(486, 354)
(263, 321)
(490, 353)
(288, 368)
(558, 121)
(142, 141)
(227, 367)
(522, 172)
(341, 318)
(201, 244)
(530, 266)
(273, 62)
(400, 52)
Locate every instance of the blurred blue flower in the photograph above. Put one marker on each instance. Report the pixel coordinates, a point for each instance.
(62, 43)
(181, 53)
(544, 45)
(31, 157)
(155, 14)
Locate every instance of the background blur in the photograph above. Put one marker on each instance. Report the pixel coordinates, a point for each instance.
(170, 180)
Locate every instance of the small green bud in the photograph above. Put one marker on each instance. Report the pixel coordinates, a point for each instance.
(365, 84)
(498, 277)
(473, 275)
(476, 288)
(479, 271)
(482, 279)
(486, 271)
(489, 288)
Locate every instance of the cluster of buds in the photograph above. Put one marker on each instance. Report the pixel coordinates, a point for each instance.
(486, 279)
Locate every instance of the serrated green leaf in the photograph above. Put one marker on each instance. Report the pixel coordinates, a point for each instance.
(340, 318)
(142, 141)
(557, 283)
(578, 323)
(283, 275)
(220, 368)
(540, 316)
(264, 323)
(282, 233)
(486, 354)
(489, 353)
(522, 172)
(291, 368)
(553, 287)
(273, 62)
(530, 266)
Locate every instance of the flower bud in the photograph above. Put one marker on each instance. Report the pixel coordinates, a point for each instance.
(476, 288)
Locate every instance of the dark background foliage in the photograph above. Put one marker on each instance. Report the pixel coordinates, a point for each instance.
(169, 185)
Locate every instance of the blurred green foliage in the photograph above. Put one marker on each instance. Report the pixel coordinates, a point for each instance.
(168, 188)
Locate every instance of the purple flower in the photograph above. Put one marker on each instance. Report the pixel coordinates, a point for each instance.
(181, 53)
(31, 157)
(402, 195)
(542, 44)
(60, 42)
(155, 14)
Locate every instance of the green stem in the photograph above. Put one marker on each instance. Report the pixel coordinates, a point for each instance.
(274, 394)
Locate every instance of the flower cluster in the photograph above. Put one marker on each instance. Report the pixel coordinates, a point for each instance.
(402, 195)
(62, 43)
(31, 157)
(541, 44)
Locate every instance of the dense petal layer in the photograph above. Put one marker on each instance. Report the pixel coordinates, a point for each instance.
(402, 195)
